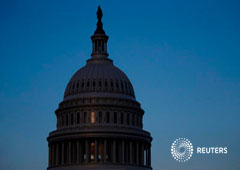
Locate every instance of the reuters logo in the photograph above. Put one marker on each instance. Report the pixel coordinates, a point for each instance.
(182, 149)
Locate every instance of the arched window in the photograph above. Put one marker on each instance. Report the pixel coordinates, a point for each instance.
(78, 118)
(107, 117)
(133, 119)
(111, 85)
(73, 87)
(126, 87)
(93, 118)
(137, 120)
(100, 117)
(117, 84)
(85, 117)
(72, 119)
(62, 120)
(127, 118)
(121, 119)
(122, 87)
(115, 117)
(66, 119)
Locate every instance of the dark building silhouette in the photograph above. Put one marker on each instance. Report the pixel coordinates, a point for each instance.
(99, 121)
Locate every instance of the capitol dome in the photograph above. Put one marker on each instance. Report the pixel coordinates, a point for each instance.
(99, 122)
(99, 77)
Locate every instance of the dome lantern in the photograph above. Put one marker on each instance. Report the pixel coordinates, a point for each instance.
(99, 39)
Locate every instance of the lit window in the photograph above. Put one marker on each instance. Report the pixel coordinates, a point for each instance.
(92, 151)
(93, 117)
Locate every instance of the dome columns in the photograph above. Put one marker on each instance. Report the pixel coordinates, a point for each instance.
(99, 151)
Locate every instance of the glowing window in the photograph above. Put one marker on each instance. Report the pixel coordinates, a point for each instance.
(93, 118)
(92, 151)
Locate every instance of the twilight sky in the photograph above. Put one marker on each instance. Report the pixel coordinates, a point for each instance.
(182, 57)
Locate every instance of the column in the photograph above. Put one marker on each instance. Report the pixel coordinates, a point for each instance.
(114, 151)
(63, 161)
(131, 155)
(53, 154)
(123, 153)
(87, 150)
(96, 151)
(57, 152)
(149, 155)
(142, 154)
(69, 152)
(127, 152)
(69, 119)
(137, 155)
(81, 151)
(78, 151)
(50, 156)
(105, 151)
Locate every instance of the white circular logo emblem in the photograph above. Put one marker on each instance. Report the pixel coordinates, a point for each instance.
(182, 149)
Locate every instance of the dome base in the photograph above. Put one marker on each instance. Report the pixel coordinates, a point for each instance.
(100, 167)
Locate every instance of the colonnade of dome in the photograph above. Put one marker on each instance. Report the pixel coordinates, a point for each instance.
(98, 151)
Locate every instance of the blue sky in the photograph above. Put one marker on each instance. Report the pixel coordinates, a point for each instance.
(181, 56)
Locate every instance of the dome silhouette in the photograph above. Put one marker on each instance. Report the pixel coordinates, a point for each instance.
(99, 121)
(99, 76)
